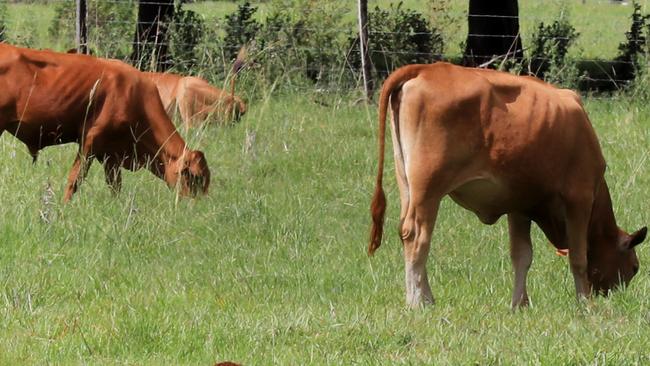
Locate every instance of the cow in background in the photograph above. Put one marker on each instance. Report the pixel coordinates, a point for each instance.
(196, 100)
(500, 144)
(109, 108)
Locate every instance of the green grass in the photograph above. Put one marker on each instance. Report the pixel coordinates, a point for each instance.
(270, 267)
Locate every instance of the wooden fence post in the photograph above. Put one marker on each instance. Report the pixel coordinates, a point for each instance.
(81, 29)
(363, 46)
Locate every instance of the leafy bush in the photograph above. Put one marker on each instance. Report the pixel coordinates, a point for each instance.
(634, 51)
(550, 47)
(185, 34)
(240, 29)
(307, 43)
(398, 36)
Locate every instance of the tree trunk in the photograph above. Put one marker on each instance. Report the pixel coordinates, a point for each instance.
(150, 44)
(493, 32)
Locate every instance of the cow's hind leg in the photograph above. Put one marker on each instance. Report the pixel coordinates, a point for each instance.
(77, 174)
(417, 228)
(186, 101)
(521, 254)
(417, 220)
(185, 110)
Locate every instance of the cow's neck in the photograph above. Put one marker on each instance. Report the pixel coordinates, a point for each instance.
(602, 226)
(163, 150)
(168, 143)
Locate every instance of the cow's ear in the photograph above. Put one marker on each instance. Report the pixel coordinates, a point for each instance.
(635, 238)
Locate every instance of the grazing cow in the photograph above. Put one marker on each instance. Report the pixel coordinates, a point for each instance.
(109, 108)
(499, 144)
(196, 99)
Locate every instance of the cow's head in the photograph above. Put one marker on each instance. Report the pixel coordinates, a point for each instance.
(613, 265)
(239, 109)
(190, 173)
(232, 110)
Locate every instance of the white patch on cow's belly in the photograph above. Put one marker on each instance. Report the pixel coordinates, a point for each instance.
(486, 197)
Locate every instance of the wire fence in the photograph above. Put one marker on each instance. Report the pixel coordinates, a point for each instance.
(329, 58)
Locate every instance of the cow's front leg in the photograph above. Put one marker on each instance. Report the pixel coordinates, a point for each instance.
(185, 105)
(521, 255)
(77, 174)
(416, 231)
(577, 225)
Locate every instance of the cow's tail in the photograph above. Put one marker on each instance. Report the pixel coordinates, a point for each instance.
(391, 85)
(239, 63)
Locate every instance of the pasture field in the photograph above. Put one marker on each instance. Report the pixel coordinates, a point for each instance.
(271, 266)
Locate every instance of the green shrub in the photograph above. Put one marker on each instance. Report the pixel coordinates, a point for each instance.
(634, 51)
(185, 34)
(306, 44)
(240, 29)
(548, 59)
(398, 36)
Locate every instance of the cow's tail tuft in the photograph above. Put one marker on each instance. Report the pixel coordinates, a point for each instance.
(377, 211)
(378, 205)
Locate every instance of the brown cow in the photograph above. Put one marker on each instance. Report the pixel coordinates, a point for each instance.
(196, 99)
(500, 144)
(106, 106)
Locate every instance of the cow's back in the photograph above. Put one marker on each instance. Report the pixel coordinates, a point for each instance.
(495, 142)
(538, 132)
(59, 84)
(520, 127)
(50, 98)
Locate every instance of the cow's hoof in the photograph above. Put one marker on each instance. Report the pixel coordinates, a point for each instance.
(420, 302)
(521, 303)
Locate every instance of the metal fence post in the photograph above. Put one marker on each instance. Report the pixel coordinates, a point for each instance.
(81, 37)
